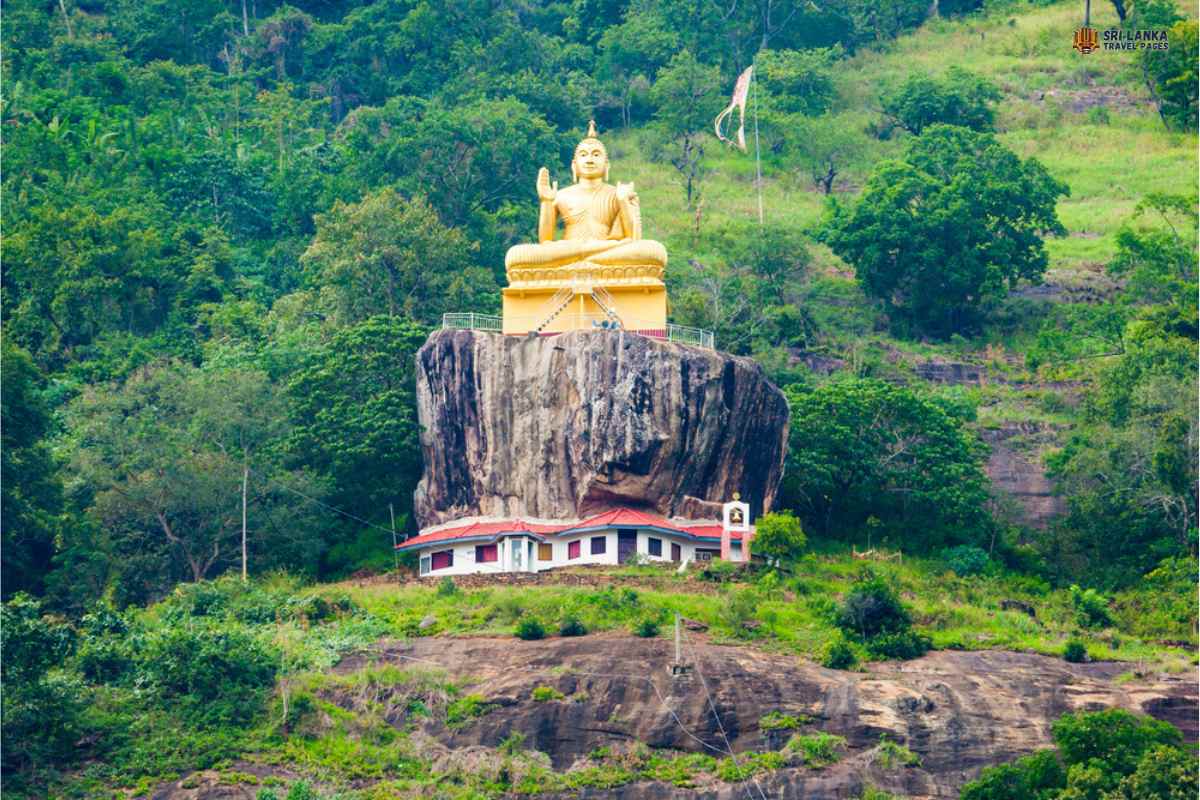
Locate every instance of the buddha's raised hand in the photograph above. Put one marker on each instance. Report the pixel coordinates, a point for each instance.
(625, 191)
(547, 192)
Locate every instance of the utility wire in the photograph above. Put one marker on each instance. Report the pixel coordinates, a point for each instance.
(326, 505)
(720, 724)
(662, 700)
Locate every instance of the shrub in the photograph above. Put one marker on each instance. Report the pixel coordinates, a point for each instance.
(41, 720)
(103, 659)
(779, 537)
(871, 608)
(1091, 608)
(719, 571)
(223, 672)
(901, 646)
(300, 790)
(1075, 651)
(1111, 753)
(891, 754)
(646, 627)
(1115, 737)
(966, 560)
(572, 626)
(447, 587)
(530, 629)
(737, 608)
(1032, 776)
(778, 721)
(461, 711)
(816, 749)
(543, 694)
(839, 654)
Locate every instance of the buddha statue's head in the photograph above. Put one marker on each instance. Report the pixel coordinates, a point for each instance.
(591, 157)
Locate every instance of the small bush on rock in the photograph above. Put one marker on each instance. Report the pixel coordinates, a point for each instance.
(572, 626)
(839, 654)
(872, 608)
(646, 627)
(543, 694)
(530, 629)
(900, 646)
(1075, 652)
(816, 750)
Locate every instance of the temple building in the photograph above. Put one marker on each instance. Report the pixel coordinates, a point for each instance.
(467, 547)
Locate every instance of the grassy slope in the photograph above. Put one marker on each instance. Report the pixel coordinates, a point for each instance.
(1110, 157)
(798, 614)
(1108, 165)
(338, 729)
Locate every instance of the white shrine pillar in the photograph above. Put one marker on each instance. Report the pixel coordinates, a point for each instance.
(735, 517)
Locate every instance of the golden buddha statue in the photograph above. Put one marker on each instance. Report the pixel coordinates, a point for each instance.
(601, 272)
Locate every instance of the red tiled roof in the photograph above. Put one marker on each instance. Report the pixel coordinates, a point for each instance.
(615, 518)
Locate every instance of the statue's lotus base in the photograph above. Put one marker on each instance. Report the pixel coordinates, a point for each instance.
(585, 296)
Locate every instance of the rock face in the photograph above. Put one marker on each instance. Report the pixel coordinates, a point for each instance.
(1013, 472)
(561, 427)
(957, 711)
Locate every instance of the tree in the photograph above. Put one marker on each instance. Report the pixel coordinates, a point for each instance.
(30, 488)
(825, 145)
(1129, 473)
(163, 458)
(956, 224)
(959, 97)
(1110, 754)
(474, 161)
(353, 408)
(779, 537)
(1172, 76)
(42, 708)
(1159, 262)
(862, 449)
(686, 96)
(798, 81)
(632, 52)
(390, 255)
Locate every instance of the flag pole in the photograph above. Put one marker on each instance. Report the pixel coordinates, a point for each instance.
(757, 153)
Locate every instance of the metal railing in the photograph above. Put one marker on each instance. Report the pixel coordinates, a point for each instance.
(472, 322)
(694, 336)
(682, 334)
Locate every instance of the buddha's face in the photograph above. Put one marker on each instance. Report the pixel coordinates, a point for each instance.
(591, 160)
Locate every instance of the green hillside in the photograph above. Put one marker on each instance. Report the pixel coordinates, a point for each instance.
(228, 227)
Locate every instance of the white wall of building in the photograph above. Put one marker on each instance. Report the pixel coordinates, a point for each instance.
(514, 553)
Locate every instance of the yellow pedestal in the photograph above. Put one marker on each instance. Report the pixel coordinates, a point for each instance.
(574, 298)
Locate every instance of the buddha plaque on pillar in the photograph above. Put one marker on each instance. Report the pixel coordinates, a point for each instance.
(601, 273)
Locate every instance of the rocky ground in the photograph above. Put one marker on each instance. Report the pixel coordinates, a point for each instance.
(957, 711)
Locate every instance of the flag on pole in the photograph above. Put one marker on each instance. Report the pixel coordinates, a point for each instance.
(738, 101)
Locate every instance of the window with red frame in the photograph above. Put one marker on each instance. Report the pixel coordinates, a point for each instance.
(486, 552)
(443, 559)
(573, 550)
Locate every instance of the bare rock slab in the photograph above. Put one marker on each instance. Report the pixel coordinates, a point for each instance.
(565, 426)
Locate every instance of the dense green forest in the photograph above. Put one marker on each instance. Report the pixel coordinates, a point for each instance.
(228, 226)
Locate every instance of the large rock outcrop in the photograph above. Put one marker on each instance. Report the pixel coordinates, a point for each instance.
(561, 427)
